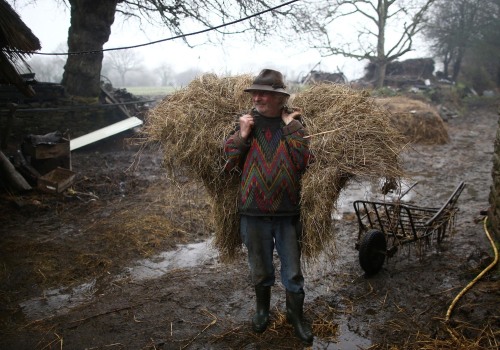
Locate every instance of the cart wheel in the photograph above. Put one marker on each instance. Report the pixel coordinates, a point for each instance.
(372, 251)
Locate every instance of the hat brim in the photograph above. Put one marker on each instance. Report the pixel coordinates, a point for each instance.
(256, 87)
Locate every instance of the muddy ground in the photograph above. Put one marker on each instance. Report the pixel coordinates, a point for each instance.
(123, 261)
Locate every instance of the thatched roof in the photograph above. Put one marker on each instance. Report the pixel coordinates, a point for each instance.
(14, 34)
(16, 43)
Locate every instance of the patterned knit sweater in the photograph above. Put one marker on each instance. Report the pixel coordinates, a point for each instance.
(271, 162)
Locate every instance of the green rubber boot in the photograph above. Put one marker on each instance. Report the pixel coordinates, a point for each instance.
(294, 315)
(261, 317)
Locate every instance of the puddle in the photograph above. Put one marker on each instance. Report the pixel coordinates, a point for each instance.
(368, 192)
(58, 301)
(349, 340)
(189, 255)
(346, 340)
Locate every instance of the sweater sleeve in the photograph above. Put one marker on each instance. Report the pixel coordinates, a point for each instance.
(235, 150)
(298, 144)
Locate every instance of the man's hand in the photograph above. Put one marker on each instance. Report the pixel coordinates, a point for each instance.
(288, 117)
(246, 125)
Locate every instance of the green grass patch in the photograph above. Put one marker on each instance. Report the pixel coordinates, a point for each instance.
(150, 90)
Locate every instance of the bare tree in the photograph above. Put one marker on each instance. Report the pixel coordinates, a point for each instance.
(404, 19)
(453, 26)
(466, 29)
(49, 68)
(90, 29)
(91, 22)
(490, 43)
(165, 72)
(183, 78)
(123, 61)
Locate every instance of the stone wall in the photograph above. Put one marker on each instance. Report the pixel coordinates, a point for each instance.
(52, 110)
(70, 123)
(74, 122)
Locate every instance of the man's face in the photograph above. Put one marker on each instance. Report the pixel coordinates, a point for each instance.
(268, 103)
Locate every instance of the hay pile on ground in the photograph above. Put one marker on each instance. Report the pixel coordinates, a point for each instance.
(418, 121)
(351, 136)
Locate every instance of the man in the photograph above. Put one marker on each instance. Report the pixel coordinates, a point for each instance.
(270, 151)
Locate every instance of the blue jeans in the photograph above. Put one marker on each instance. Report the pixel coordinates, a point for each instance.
(260, 234)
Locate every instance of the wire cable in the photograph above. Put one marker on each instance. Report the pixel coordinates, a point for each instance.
(161, 40)
(489, 267)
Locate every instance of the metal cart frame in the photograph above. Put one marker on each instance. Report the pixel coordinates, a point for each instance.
(383, 227)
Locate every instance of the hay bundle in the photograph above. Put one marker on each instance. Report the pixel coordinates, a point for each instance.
(350, 137)
(419, 122)
(191, 125)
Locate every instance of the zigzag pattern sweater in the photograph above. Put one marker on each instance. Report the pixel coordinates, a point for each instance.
(271, 162)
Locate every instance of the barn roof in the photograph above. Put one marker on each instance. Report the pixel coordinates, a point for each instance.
(17, 42)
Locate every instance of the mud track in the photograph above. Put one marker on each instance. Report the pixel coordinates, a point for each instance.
(122, 262)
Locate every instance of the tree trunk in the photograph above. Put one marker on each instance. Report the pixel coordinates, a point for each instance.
(494, 197)
(498, 76)
(122, 77)
(446, 65)
(380, 69)
(381, 62)
(457, 65)
(90, 28)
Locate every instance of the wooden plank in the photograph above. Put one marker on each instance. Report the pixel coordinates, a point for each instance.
(15, 181)
(105, 132)
(114, 101)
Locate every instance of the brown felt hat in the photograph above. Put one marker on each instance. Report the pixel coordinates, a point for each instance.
(268, 80)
